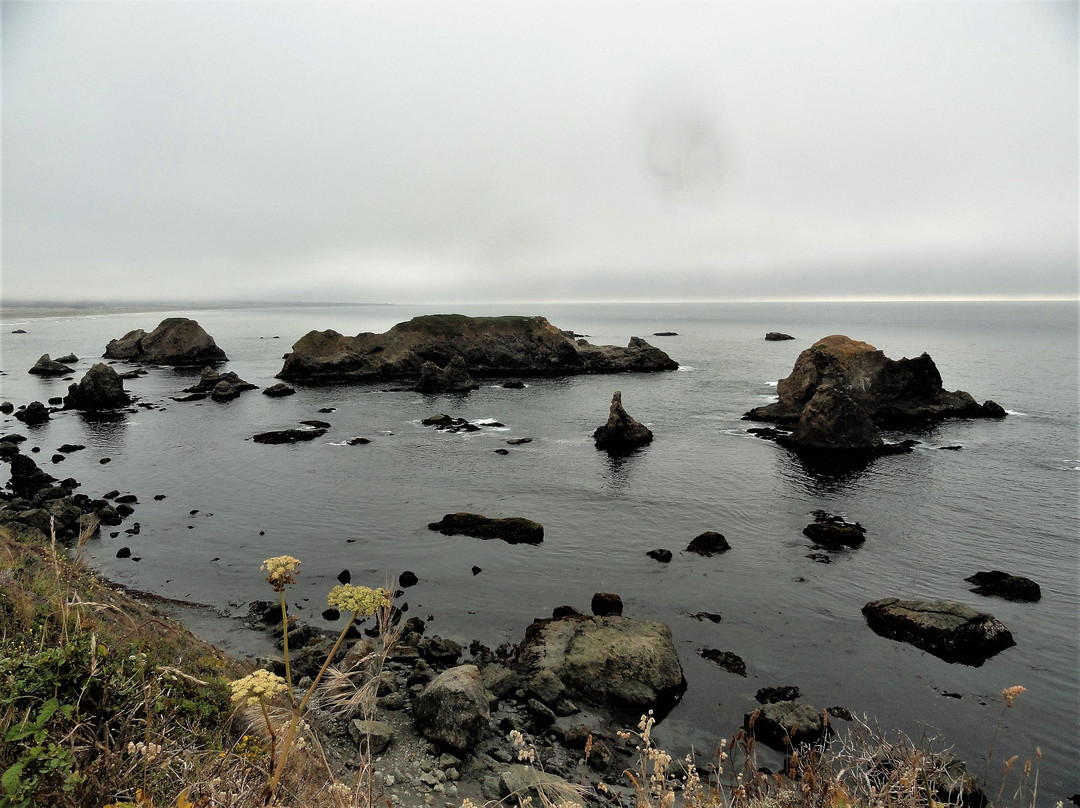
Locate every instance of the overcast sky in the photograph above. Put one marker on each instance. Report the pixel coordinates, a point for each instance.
(538, 151)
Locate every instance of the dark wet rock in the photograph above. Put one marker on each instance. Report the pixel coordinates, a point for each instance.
(221, 386)
(176, 341)
(476, 570)
(514, 529)
(45, 366)
(68, 448)
(842, 390)
(19, 331)
(99, 389)
(454, 378)
(515, 385)
(279, 390)
(660, 554)
(124, 511)
(834, 532)
(356, 441)
(565, 611)
(33, 413)
(712, 617)
(784, 725)
(777, 336)
(519, 441)
(316, 423)
(820, 558)
(489, 346)
(991, 409)
(502, 451)
(1004, 585)
(7, 408)
(708, 543)
(771, 695)
(666, 334)
(288, 435)
(408, 578)
(439, 650)
(128, 498)
(123, 552)
(729, 661)
(608, 661)
(191, 397)
(57, 458)
(606, 603)
(844, 714)
(67, 359)
(56, 401)
(947, 629)
(344, 577)
(621, 432)
(105, 460)
(159, 497)
(453, 709)
(445, 423)
(13, 437)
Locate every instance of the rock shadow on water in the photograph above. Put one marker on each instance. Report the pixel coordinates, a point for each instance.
(105, 429)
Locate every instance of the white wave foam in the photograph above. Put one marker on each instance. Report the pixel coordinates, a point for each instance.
(687, 368)
(1015, 412)
(772, 384)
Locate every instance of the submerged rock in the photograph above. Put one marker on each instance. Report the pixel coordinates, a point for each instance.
(45, 366)
(708, 543)
(841, 391)
(947, 629)
(489, 346)
(608, 661)
(1004, 585)
(777, 336)
(728, 660)
(176, 341)
(513, 530)
(621, 432)
(101, 388)
(834, 532)
(288, 435)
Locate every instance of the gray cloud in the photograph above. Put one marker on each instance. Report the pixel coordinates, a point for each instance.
(533, 151)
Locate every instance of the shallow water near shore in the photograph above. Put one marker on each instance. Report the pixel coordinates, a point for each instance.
(1007, 500)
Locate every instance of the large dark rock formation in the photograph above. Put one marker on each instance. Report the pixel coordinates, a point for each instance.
(842, 390)
(947, 629)
(489, 346)
(46, 366)
(176, 341)
(621, 433)
(33, 413)
(834, 532)
(100, 389)
(513, 529)
(220, 386)
(608, 661)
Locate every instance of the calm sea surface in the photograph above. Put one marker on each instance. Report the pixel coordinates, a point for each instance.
(1008, 500)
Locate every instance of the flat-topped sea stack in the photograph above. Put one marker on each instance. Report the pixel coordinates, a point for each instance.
(176, 341)
(842, 390)
(489, 346)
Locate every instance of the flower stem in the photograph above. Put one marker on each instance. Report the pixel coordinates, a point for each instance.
(285, 646)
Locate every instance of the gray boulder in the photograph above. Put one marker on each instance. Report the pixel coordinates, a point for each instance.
(947, 629)
(784, 725)
(45, 366)
(101, 388)
(371, 736)
(621, 432)
(453, 710)
(221, 386)
(1004, 585)
(33, 413)
(454, 378)
(608, 661)
(279, 390)
(176, 341)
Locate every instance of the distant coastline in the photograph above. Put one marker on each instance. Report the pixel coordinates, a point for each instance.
(26, 310)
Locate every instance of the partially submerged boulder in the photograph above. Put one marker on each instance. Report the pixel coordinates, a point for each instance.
(279, 390)
(513, 529)
(621, 432)
(454, 378)
(841, 391)
(708, 543)
(176, 341)
(609, 661)
(221, 386)
(785, 725)
(33, 413)
(46, 366)
(777, 336)
(947, 629)
(489, 346)
(288, 435)
(101, 388)
(453, 709)
(1004, 585)
(834, 532)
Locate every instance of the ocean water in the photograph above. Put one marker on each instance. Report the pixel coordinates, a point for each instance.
(1007, 500)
